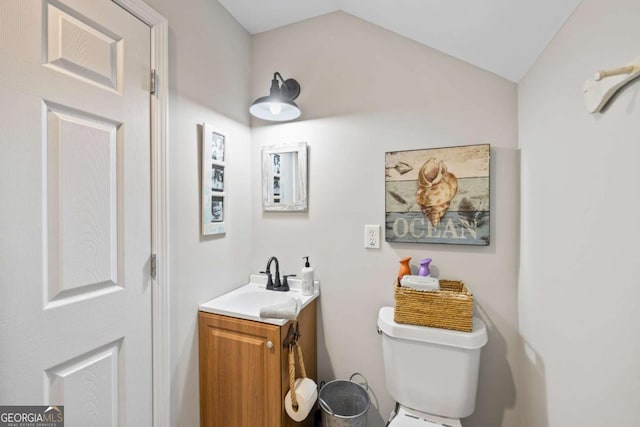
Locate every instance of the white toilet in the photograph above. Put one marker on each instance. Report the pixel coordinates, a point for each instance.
(432, 373)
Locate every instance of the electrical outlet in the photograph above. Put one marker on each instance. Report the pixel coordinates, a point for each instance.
(372, 236)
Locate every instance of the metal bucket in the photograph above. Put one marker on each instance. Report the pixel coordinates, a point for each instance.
(344, 403)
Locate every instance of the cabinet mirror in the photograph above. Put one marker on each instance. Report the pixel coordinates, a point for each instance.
(284, 177)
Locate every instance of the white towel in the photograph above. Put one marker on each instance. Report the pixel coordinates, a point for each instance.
(421, 283)
(286, 310)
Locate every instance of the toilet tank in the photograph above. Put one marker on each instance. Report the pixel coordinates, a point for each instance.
(432, 370)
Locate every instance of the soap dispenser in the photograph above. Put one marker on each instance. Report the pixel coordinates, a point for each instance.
(307, 278)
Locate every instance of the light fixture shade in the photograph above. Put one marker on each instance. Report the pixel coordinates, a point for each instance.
(279, 105)
(265, 108)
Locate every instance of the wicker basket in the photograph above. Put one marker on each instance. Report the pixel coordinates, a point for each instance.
(449, 308)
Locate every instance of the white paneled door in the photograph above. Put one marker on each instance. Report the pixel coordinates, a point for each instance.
(75, 221)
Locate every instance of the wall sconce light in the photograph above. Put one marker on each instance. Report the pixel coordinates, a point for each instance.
(279, 105)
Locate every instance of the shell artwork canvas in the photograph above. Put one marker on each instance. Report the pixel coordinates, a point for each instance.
(438, 195)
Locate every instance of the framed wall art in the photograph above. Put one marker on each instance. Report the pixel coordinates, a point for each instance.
(213, 181)
(438, 195)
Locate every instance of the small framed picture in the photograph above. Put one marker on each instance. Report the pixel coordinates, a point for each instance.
(216, 141)
(213, 181)
(217, 178)
(217, 208)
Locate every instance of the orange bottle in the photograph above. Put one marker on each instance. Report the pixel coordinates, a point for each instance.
(404, 267)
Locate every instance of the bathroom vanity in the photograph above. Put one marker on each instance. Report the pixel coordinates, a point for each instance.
(244, 369)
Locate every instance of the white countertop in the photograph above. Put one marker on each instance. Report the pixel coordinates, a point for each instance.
(246, 301)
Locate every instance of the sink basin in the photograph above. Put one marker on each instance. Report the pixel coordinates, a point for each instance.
(246, 301)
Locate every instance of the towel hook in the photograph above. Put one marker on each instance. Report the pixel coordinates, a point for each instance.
(292, 335)
(615, 72)
(599, 89)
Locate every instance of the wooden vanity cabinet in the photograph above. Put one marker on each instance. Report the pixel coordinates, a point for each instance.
(244, 370)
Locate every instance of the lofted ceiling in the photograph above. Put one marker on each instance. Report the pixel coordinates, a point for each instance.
(501, 36)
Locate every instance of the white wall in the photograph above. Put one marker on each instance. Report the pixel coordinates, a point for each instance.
(366, 91)
(209, 82)
(579, 294)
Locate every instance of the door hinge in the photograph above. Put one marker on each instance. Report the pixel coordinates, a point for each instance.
(154, 265)
(154, 82)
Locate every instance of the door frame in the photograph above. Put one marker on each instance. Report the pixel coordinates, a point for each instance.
(159, 206)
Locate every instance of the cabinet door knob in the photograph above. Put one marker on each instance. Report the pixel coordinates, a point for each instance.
(269, 345)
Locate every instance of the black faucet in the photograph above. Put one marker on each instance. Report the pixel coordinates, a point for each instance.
(275, 285)
(270, 283)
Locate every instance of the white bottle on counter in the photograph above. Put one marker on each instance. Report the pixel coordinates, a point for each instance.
(307, 278)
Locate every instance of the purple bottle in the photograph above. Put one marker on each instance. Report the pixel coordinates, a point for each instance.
(424, 267)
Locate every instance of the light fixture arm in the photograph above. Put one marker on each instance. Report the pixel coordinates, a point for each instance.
(277, 75)
(290, 88)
